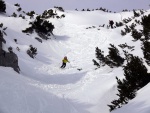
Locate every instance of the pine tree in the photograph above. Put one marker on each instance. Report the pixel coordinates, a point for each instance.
(136, 14)
(123, 33)
(126, 92)
(96, 63)
(136, 73)
(42, 27)
(31, 14)
(127, 29)
(114, 56)
(119, 24)
(100, 57)
(146, 51)
(146, 26)
(2, 6)
(132, 26)
(136, 35)
(136, 77)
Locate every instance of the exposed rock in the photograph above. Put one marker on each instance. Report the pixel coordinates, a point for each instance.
(9, 60)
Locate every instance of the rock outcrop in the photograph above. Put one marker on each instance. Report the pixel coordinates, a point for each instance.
(8, 59)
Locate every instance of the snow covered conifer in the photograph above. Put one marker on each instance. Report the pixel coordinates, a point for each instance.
(146, 26)
(136, 77)
(136, 14)
(100, 56)
(31, 14)
(123, 33)
(96, 63)
(127, 29)
(2, 6)
(146, 51)
(42, 27)
(136, 35)
(119, 24)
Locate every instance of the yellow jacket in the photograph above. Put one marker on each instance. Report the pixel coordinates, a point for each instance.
(65, 60)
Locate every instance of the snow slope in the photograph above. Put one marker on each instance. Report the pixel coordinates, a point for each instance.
(140, 104)
(43, 87)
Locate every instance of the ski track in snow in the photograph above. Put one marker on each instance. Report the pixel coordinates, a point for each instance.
(79, 44)
(80, 50)
(80, 54)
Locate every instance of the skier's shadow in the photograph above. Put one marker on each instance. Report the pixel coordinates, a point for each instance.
(62, 38)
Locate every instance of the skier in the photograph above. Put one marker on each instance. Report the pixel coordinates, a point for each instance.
(64, 61)
(111, 23)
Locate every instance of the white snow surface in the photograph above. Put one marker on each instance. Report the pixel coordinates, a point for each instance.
(42, 87)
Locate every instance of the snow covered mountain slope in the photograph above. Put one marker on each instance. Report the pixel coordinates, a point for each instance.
(113, 5)
(138, 105)
(43, 87)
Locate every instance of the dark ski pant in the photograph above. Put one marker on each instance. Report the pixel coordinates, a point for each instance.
(63, 65)
(111, 25)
